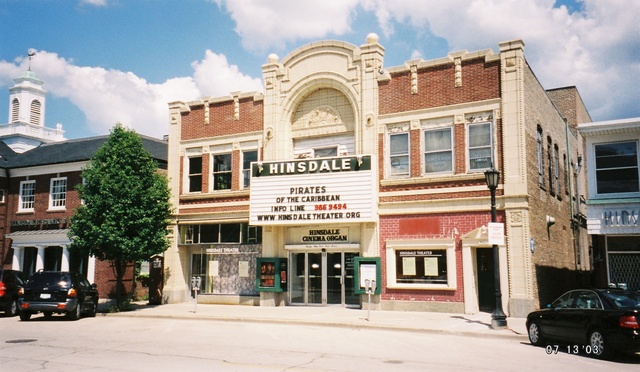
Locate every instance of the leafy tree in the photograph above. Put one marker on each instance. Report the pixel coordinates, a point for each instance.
(126, 208)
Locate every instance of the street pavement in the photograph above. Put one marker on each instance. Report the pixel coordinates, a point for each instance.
(462, 324)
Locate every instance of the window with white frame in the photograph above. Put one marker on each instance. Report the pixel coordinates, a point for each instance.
(438, 150)
(617, 167)
(27, 195)
(222, 171)
(399, 154)
(58, 193)
(421, 264)
(195, 173)
(247, 158)
(2, 195)
(480, 146)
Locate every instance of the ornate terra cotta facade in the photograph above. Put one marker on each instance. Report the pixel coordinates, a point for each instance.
(342, 170)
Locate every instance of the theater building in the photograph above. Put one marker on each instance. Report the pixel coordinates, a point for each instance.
(345, 171)
(613, 207)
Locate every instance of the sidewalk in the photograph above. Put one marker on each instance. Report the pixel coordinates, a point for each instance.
(462, 324)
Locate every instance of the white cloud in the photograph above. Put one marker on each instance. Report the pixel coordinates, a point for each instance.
(264, 25)
(596, 49)
(94, 2)
(214, 76)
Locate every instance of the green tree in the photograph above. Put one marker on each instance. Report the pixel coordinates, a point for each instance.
(126, 209)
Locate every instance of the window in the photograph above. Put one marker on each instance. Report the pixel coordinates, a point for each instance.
(27, 195)
(222, 172)
(2, 195)
(58, 194)
(438, 151)
(220, 233)
(540, 157)
(195, 174)
(617, 167)
(247, 158)
(556, 169)
(35, 112)
(421, 264)
(399, 154)
(480, 146)
(325, 152)
(15, 110)
(550, 166)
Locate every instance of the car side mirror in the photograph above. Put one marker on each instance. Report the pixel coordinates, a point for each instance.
(549, 306)
(94, 286)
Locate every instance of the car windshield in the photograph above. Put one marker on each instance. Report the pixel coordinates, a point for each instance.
(624, 300)
(50, 280)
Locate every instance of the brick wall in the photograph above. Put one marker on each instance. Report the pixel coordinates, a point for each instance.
(222, 119)
(105, 279)
(433, 226)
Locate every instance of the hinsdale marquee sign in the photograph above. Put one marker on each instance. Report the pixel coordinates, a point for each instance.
(311, 191)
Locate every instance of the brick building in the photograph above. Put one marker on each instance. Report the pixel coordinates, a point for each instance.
(342, 171)
(39, 170)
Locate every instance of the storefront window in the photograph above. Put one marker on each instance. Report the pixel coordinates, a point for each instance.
(220, 233)
(421, 264)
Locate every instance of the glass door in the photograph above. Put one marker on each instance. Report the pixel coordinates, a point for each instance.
(323, 278)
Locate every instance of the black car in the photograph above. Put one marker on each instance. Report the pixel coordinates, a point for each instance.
(58, 292)
(599, 322)
(10, 283)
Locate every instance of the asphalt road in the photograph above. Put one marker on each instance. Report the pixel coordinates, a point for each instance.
(109, 343)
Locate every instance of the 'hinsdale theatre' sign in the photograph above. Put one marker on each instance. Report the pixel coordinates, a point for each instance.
(311, 191)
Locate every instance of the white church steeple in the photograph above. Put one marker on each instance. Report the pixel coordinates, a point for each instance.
(25, 128)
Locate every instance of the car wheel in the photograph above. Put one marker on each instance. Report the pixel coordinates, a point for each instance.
(598, 345)
(24, 316)
(535, 336)
(75, 314)
(12, 308)
(94, 309)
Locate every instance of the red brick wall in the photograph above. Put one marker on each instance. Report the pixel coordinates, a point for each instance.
(221, 119)
(435, 226)
(105, 279)
(436, 86)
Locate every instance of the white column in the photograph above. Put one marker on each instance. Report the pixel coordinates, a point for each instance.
(40, 258)
(18, 255)
(91, 269)
(64, 265)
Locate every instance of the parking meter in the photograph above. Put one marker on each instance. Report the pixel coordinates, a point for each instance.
(198, 279)
(370, 287)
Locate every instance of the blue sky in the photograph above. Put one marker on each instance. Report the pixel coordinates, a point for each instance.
(108, 61)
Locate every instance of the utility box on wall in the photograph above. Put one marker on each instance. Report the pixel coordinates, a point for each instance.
(271, 275)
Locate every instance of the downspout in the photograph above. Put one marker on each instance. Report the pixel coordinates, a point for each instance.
(575, 225)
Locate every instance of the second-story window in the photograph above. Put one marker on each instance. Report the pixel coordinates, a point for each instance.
(556, 169)
(58, 193)
(480, 146)
(222, 172)
(27, 196)
(195, 174)
(617, 167)
(247, 158)
(438, 151)
(550, 162)
(399, 154)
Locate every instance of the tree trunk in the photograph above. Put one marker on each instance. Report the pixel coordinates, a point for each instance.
(120, 269)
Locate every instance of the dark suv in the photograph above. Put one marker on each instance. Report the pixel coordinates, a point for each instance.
(58, 292)
(10, 283)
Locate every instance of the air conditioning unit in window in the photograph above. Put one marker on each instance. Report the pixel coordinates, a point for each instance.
(304, 154)
(342, 150)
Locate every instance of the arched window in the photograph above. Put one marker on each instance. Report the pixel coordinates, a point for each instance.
(35, 112)
(15, 110)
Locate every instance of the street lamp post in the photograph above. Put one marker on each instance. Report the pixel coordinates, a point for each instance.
(498, 318)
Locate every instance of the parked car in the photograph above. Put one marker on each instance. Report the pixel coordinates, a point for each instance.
(58, 292)
(599, 322)
(10, 283)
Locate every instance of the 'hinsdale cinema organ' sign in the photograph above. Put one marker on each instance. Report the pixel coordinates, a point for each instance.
(311, 191)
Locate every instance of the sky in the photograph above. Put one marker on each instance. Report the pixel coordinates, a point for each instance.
(110, 61)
